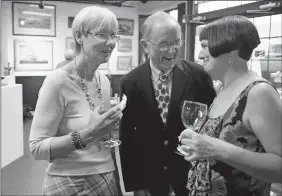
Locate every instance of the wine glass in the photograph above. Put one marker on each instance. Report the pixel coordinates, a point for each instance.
(109, 140)
(193, 115)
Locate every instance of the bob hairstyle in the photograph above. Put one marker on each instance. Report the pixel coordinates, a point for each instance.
(231, 33)
(92, 18)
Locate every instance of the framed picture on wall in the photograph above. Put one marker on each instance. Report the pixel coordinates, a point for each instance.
(125, 45)
(125, 26)
(69, 44)
(124, 62)
(29, 19)
(70, 21)
(33, 55)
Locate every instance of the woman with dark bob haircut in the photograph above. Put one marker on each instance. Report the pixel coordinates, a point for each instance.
(237, 151)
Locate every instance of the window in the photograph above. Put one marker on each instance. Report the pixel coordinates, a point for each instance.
(267, 57)
(209, 6)
(263, 25)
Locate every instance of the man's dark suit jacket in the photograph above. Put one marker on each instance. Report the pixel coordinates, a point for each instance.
(148, 146)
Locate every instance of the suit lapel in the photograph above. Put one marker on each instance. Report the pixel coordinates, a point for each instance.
(147, 90)
(180, 83)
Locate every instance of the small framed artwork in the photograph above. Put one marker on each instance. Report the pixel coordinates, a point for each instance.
(125, 26)
(33, 55)
(69, 44)
(29, 19)
(124, 62)
(104, 66)
(70, 21)
(125, 45)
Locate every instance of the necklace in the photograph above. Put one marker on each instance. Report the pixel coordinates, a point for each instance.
(84, 88)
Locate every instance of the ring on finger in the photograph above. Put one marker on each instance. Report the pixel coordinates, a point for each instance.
(187, 148)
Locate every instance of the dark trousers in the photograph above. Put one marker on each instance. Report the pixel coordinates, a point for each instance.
(162, 188)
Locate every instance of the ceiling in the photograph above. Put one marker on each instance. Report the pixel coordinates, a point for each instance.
(118, 3)
(145, 7)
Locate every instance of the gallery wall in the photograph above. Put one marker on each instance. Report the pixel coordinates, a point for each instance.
(63, 11)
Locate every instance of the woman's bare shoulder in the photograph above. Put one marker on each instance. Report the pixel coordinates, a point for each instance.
(263, 93)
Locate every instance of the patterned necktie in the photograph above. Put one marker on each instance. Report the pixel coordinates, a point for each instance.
(162, 95)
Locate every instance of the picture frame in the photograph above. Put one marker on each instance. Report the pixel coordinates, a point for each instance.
(70, 21)
(28, 19)
(69, 44)
(126, 26)
(33, 55)
(125, 45)
(124, 62)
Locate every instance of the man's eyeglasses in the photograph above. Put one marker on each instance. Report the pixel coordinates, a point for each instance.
(105, 37)
(165, 46)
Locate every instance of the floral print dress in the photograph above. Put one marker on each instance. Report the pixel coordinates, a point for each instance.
(215, 178)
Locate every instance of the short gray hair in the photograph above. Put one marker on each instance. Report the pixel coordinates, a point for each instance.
(158, 17)
(92, 18)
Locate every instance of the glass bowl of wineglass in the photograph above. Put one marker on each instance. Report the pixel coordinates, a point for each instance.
(193, 115)
(109, 140)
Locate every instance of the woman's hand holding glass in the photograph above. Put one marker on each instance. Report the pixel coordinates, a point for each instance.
(102, 122)
(193, 115)
(111, 139)
(199, 147)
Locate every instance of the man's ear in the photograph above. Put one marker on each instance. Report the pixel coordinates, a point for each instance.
(144, 45)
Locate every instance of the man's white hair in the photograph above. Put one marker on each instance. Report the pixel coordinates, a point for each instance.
(159, 17)
(92, 18)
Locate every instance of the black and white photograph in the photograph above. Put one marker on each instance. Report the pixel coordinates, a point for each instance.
(141, 98)
(124, 62)
(29, 19)
(126, 26)
(70, 21)
(33, 55)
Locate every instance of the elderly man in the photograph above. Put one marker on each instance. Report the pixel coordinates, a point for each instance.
(69, 55)
(151, 121)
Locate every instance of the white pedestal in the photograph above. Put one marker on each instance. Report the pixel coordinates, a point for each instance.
(8, 80)
(11, 124)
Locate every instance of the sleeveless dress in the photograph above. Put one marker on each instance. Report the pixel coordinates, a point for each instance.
(215, 178)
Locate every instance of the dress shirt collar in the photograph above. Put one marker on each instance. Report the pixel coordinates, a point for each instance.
(156, 72)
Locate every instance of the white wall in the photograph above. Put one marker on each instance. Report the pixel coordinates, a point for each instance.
(63, 11)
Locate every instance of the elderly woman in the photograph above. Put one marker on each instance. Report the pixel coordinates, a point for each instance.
(68, 126)
(237, 151)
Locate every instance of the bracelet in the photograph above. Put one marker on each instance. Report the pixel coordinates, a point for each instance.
(76, 141)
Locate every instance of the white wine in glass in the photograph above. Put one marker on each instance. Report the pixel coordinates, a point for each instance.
(193, 115)
(108, 140)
